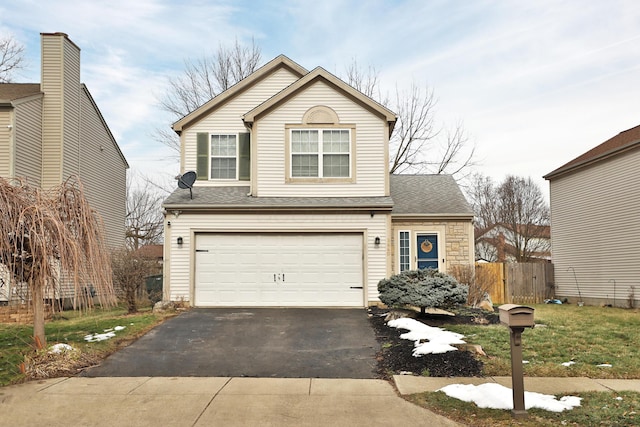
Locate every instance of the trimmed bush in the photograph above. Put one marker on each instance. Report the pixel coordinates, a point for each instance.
(422, 288)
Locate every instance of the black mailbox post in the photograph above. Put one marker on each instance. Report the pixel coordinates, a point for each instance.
(517, 317)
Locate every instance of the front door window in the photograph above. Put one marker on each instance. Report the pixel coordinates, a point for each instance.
(427, 250)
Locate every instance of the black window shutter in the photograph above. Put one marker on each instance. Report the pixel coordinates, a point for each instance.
(202, 165)
(244, 156)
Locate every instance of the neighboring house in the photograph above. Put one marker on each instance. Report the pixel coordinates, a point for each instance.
(53, 130)
(498, 243)
(595, 223)
(293, 203)
(153, 253)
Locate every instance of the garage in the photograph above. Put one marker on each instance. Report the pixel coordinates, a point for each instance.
(279, 269)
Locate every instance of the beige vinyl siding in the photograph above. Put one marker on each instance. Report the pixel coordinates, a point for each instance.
(6, 143)
(71, 107)
(595, 229)
(28, 148)
(180, 264)
(228, 118)
(52, 134)
(103, 173)
(370, 171)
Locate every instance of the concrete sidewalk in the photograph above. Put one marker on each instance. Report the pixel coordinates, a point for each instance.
(198, 401)
(408, 384)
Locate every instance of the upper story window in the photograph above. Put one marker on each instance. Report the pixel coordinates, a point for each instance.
(223, 157)
(320, 153)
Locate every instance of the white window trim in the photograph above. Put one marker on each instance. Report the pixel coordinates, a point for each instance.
(320, 153)
(400, 252)
(237, 156)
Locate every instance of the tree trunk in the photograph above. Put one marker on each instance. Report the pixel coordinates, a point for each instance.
(37, 298)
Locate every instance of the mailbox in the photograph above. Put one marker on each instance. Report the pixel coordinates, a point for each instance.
(518, 316)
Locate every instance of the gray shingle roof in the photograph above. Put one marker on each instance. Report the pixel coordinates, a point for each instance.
(13, 91)
(410, 194)
(428, 195)
(237, 198)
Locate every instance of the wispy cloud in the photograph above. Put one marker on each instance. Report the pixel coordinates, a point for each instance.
(536, 83)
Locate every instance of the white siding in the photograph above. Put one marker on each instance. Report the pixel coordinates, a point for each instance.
(180, 265)
(370, 145)
(228, 117)
(28, 149)
(595, 230)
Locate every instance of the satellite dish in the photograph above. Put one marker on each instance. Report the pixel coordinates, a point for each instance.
(186, 180)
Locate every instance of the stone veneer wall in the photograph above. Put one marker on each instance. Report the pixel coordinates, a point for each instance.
(20, 314)
(458, 242)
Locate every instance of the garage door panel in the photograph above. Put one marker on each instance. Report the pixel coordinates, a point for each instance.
(309, 270)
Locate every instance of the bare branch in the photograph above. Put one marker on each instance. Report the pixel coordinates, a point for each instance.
(203, 79)
(414, 129)
(11, 58)
(144, 220)
(518, 207)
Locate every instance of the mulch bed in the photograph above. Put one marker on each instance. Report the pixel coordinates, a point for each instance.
(395, 356)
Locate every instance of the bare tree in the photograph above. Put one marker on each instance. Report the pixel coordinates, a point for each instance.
(144, 220)
(11, 58)
(203, 79)
(130, 270)
(367, 82)
(418, 144)
(517, 208)
(51, 239)
(523, 210)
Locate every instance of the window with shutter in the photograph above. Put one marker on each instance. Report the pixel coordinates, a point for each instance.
(223, 156)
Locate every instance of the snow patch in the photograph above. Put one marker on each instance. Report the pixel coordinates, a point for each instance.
(60, 348)
(496, 396)
(438, 340)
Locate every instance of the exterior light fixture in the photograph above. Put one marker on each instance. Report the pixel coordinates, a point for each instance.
(180, 241)
(377, 241)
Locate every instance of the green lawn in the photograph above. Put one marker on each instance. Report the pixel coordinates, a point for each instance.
(588, 336)
(70, 327)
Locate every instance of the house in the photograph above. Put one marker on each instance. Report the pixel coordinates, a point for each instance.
(293, 203)
(595, 223)
(152, 253)
(501, 243)
(52, 130)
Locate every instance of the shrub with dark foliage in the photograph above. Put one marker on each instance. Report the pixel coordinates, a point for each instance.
(422, 288)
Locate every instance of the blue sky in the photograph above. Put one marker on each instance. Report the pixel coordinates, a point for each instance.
(534, 83)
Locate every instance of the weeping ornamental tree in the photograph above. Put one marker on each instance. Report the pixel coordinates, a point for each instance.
(51, 239)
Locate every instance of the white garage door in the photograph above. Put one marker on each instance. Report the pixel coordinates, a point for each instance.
(301, 270)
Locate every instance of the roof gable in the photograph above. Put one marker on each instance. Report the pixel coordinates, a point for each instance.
(315, 75)
(260, 74)
(625, 140)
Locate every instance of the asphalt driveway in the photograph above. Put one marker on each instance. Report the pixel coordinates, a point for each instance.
(262, 342)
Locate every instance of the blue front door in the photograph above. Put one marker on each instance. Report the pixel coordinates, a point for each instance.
(427, 251)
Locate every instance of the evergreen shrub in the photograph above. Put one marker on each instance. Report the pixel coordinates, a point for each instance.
(422, 288)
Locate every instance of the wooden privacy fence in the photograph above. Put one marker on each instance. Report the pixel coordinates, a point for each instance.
(516, 283)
